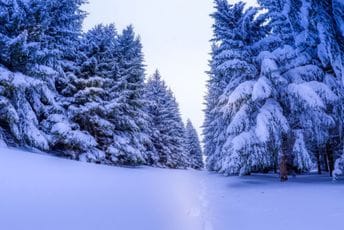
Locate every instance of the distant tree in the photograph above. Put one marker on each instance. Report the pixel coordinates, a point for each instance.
(193, 147)
(168, 133)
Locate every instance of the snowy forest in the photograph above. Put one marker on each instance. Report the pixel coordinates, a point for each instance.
(274, 102)
(84, 95)
(200, 115)
(275, 94)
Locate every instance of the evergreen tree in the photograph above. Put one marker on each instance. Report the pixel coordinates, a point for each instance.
(92, 83)
(301, 90)
(237, 149)
(126, 108)
(328, 29)
(193, 147)
(32, 113)
(108, 97)
(212, 123)
(214, 137)
(269, 96)
(168, 133)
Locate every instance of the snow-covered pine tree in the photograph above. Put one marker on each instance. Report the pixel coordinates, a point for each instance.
(193, 147)
(213, 127)
(322, 42)
(155, 92)
(152, 157)
(305, 98)
(338, 12)
(31, 111)
(177, 132)
(90, 91)
(280, 104)
(238, 149)
(327, 27)
(212, 122)
(279, 23)
(126, 107)
(53, 26)
(57, 26)
(168, 133)
(331, 40)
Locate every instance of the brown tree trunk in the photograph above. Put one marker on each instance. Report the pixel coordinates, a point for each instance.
(284, 168)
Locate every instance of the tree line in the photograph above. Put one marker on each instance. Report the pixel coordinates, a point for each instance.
(84, 95)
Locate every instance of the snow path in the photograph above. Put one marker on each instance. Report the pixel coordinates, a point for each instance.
(42, 192)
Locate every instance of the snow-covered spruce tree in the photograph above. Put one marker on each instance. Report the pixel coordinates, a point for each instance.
(168, 133)
(331, 38)
(108, 95)
(303, 94)
(213, 121)
(126, 107)
(280, 103)
(193, 147)
(57, 26)
(321, 45)
(213, 127)
(338, 12)
(90, 87)
(327, 27)
(31, 113)
(238, 149)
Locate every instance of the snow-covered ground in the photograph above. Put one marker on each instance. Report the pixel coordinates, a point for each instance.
(42, 192)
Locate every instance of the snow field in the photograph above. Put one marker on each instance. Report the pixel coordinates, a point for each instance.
(42, 192)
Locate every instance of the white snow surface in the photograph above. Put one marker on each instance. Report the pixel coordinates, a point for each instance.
(43, 192)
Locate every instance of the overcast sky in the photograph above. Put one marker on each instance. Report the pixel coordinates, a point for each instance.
(175, 35)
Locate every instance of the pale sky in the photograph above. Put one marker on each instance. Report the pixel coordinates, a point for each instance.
(175, 35)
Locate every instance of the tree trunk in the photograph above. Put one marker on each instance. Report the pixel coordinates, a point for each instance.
(287, 146)
(284, 169)
(275, 167)
(325, 160)
(330, 158)
(319, 162)
(275, 159)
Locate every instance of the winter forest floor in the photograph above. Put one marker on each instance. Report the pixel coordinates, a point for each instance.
(42, 192)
